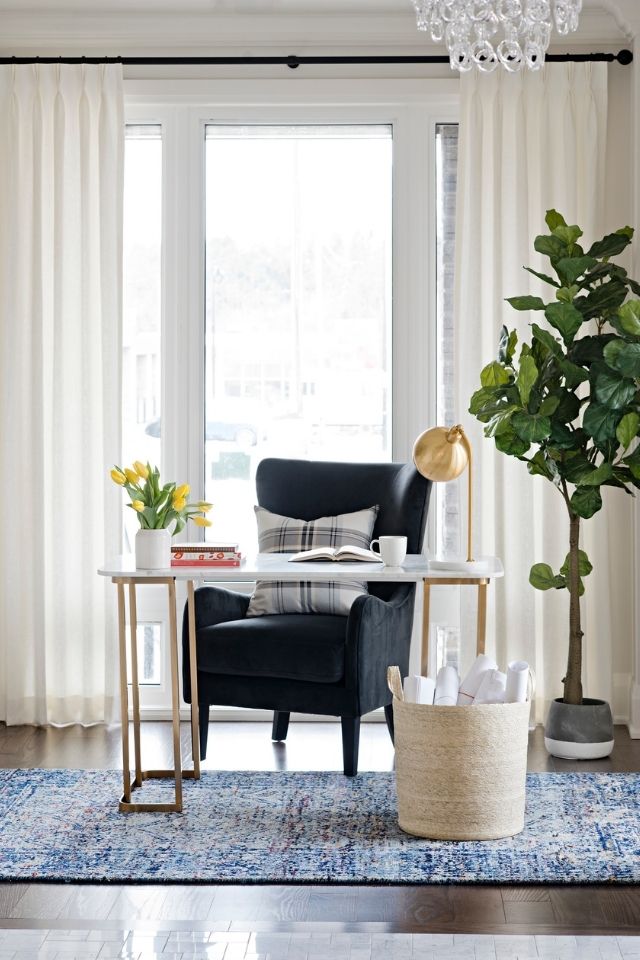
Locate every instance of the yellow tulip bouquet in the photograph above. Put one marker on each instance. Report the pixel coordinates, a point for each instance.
(157, 507)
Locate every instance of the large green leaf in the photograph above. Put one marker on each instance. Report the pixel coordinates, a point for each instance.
(550, 246)
(542, 276)
(629, 314)
(612, 244)
(613, 350)
(486, 403)
(567, 294)
(628, 360)
(553, 219)
(499, 422)
(570, 268)
(549, 405)
(526, 303)
(527, 376)
(538, 466)
(627, 429)
(569, 407)
(586, 501)
(584, 565)
(561, 437)
(600, 422)
(531, 427)
(569, 233)
(573, 374)
(576, 467)
(480, 399)
(494, 375)
(597, 475)
(587, 350)
(565, 318)
(606, 297)
(604, 269)
(613, 390)
(509, 442)
(542, 577)
(547, 339)
(507, 345)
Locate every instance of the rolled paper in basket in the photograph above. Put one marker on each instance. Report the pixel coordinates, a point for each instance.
(419, 689)
(517, 681)
(447, 686)
(471, 683)
(492, 687)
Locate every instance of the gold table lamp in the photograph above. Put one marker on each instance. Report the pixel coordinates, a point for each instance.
(442, 454)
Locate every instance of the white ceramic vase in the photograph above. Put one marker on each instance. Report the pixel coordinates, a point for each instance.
(153, 549)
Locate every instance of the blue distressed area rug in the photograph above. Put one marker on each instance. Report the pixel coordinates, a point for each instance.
(247, 827)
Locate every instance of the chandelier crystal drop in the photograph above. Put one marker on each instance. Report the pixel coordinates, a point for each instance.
(485, 33)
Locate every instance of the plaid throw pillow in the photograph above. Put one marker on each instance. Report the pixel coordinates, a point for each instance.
(278, 534)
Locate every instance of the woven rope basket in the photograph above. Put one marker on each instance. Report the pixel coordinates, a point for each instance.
(460, 771)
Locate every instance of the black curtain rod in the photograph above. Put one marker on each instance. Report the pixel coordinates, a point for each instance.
(623, 57)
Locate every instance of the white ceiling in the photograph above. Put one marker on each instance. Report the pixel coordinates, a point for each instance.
(205, 26)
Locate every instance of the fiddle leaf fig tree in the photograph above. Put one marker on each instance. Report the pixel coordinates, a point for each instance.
(569, 404)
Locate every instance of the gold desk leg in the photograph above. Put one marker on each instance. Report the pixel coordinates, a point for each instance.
(175, 692)
(177, 774)
(482, 617)
(193, 671)
(425, 628)
(135, 689)
(124, 695)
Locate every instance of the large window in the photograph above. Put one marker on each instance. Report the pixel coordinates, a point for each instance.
(298, 302)
(286, 257)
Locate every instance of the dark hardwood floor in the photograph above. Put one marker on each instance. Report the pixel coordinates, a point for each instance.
(435, 909)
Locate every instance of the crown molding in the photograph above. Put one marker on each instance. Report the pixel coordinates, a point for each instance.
(626, 15)
(199, 34)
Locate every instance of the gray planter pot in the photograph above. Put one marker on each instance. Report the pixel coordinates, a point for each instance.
(579, 732)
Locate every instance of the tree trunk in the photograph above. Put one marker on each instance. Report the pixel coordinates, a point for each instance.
(573, 679)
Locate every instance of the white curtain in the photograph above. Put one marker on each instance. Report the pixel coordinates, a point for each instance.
(61, 185)
(528, 143)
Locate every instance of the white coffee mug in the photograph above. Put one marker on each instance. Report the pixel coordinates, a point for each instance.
(393, 550)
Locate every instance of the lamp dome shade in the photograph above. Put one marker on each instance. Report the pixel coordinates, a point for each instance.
(441, 454)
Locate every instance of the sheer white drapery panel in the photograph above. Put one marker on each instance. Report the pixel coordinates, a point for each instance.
(530, 142)
(61, 176)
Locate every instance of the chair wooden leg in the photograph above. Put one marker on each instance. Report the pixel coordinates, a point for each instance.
(203, 723)
(350, 744)
(280, 725)
(388, 715)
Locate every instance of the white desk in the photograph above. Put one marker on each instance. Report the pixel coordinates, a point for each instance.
(274, 566)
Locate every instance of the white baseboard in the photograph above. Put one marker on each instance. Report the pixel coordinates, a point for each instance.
(621, 697)
(634, 712)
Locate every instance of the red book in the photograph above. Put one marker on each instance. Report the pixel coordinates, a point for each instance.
(189, 561)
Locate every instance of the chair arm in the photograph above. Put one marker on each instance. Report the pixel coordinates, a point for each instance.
(378, 636)
(216, 605)
(213, 605)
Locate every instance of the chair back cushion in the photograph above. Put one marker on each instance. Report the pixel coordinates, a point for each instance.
(278, 534)
(309, 489)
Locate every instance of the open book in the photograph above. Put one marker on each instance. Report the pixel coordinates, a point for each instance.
(338, 553)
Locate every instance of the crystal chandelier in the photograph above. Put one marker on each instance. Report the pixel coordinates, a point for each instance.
(483, 33)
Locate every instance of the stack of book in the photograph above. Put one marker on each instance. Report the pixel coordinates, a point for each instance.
(205, 555)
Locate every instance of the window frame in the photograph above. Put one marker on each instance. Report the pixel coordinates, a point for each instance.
(413, 108)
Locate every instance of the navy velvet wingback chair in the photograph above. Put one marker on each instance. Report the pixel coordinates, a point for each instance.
(311, 663)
